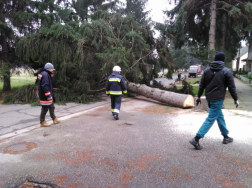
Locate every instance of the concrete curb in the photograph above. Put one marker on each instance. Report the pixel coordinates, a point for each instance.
(50, 121)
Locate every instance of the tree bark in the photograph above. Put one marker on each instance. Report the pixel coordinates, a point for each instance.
(7, 85)
(212, 28)
(171, 98)
(4, 53)
(238, 63)
(224, 29)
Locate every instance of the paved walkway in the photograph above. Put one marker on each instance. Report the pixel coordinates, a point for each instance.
(16, 117)
(244, 92)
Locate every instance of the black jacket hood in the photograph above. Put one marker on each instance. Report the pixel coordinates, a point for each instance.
(217, 66)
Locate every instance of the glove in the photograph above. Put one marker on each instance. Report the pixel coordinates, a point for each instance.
(236, 103)
(198, 100)
(50, 98)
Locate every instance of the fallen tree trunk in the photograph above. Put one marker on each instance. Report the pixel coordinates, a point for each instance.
(171, 98)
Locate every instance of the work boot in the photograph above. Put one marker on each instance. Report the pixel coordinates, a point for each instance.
(44, 124)
(116, 116)
(55, 121)
(227, 140)
(196, 144)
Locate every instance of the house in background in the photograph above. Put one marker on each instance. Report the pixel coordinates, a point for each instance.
(242, 54)
(248, 60)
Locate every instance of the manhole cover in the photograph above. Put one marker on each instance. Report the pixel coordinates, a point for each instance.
(20, 147)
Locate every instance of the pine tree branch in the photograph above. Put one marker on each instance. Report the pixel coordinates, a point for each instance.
(101, 35)
(125, 78)
(143, 57)
(120, 30)
(132, 38)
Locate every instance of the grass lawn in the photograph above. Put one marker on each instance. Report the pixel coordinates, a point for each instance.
(19, 81)
(193, 80)
(176, 73)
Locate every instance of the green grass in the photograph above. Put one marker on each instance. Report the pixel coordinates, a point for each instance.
(19, 81)
(247, 76)
(176, 73)
(193, 80)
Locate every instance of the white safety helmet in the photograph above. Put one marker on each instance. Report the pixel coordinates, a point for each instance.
(117, 69)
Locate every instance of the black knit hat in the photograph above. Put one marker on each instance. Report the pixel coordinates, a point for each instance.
(220, 56)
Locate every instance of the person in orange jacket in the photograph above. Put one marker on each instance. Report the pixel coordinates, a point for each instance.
(45, 89)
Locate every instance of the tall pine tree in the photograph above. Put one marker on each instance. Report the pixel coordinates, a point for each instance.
(194, 24)
(19, 18)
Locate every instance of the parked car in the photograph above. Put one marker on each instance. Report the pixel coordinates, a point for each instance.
(195, 70)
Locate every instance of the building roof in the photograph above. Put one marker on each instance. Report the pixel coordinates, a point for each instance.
(249, 58)
(243, 50)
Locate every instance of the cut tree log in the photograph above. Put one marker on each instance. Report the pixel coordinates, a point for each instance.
(170, 98)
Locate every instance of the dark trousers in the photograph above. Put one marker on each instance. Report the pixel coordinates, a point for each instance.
(115, 103)
(179, 76)
(44, 110)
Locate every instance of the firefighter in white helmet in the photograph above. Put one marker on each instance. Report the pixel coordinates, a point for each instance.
(115, 87)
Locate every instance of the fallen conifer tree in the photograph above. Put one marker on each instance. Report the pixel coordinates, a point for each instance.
(167, 97)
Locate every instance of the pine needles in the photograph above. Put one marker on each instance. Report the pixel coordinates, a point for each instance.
(186, 87)
(24, 95)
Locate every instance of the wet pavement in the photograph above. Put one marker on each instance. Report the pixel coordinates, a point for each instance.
(16, 117)
(147, 147)
(244, 92)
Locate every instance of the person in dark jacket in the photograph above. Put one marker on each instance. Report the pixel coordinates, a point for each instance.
(45, 89)
(179, 74)
(215, 80)
(115, 87)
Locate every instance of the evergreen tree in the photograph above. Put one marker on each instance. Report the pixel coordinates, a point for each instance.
(193, 20)
(137, 9)
(85, 54)
(85, 8)
(163, 49)
(18, 18)
(183, 58)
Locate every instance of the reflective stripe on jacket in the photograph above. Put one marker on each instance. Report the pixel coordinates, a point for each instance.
(115, 84)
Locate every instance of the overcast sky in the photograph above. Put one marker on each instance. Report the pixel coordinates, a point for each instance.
(157, 7)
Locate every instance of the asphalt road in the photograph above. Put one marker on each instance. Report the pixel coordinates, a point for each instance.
(16, 117)
(147, 147)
